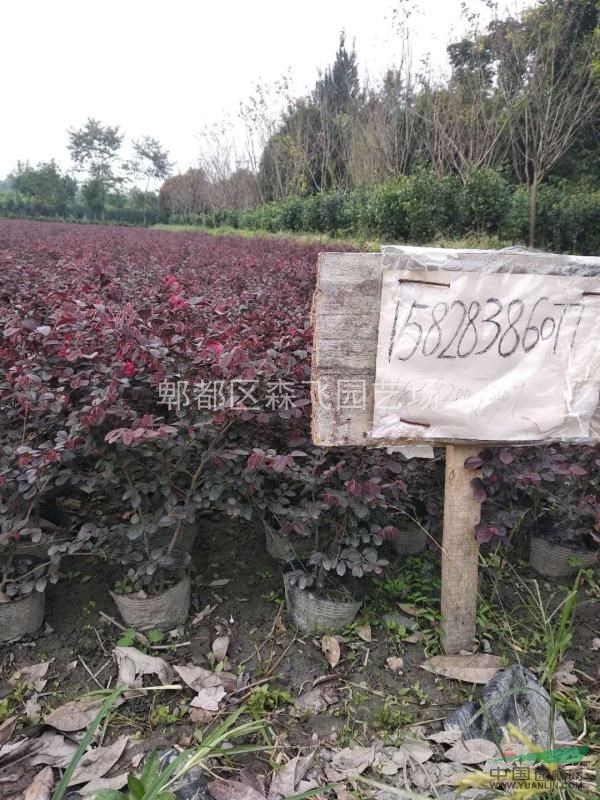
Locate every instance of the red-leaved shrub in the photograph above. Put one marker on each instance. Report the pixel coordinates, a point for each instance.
(171, 373)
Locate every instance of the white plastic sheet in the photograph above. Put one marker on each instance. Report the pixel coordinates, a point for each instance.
(487, 346)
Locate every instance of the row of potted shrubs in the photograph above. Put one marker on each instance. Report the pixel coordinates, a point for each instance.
(100, 336)
(323, 591)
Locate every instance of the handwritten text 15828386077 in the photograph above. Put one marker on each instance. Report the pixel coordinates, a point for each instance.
(484, 356)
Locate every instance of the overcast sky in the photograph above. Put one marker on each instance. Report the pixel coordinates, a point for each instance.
(167, 68)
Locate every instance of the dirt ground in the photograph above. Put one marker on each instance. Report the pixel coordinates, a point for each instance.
(365, 698)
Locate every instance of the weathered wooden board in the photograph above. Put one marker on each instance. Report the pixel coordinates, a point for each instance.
(346, 319)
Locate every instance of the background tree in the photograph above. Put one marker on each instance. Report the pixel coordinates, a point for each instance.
(311, 149)
(548, 79)
(45, 185)
(262, 115)
(92, 193)
(336, 95)
(184, 196)
(151, 162)
(95, 148)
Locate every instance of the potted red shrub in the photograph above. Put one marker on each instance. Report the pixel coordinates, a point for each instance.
(326, 592)
(163, 469)
(567, 534)
(555, 491)
(34, 463)
(110, 360)
(25, 571)
(85, 413)
(333, 512)
(29, 561)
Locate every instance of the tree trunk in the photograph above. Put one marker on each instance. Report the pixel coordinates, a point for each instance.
(145, 196)
(533, 211)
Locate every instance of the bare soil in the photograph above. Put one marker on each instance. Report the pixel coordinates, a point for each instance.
(371, 701)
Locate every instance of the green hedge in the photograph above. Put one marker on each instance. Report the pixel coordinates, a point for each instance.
(15, 207)
(421, 208)
(417, 208)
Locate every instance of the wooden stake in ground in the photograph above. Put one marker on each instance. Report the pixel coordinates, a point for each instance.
(460, 552)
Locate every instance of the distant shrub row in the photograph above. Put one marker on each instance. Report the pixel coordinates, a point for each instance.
(417, 208)
(14, 207)
(421, 208)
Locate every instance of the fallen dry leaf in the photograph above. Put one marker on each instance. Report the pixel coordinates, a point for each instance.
(412, 752)
(343, 794)
(414, 638)
(384, 765)
(115, 783)
(331, 648)
(198, 678)
(426, 776)
(97, 762)
(472, 751)
(249, 787)
(7, 729)
(41, 785)
(12, 752)
(565, 678)
(233, 790)
(220, 647)
(133, 665)
(33, 710)
(33, 676)
(74, 716)
(349, 762)
(477, 668)
(314, 701)
(250, 778)
(446, 737)
(392, 759)
(53, 750)
(193, 676)
(200, 715)
(74, 503)
(208, 699)
(412, 611)
(564, 674)
(219, 582)
(364, 632)
(395, 663)
(288, 780)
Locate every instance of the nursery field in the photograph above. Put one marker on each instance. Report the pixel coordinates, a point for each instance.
(155, 402)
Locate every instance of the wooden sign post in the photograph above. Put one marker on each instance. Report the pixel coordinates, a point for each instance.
(460, 552)
(458, 349)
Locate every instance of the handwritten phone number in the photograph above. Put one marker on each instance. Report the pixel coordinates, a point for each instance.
(467, 336)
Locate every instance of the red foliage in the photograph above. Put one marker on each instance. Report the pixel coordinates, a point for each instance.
(96, 319)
